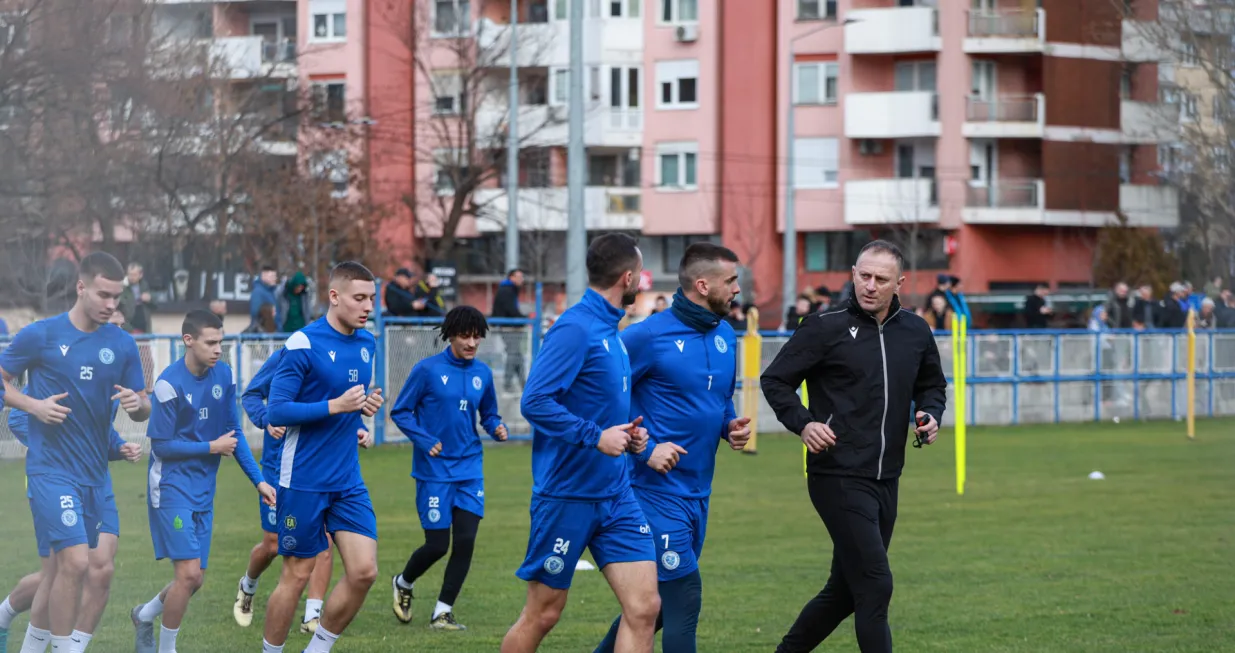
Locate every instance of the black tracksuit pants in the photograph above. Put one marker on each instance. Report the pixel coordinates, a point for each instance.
(859, 514)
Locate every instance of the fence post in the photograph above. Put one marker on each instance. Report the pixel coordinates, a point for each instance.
(1191, 383)
(379, 366)
(538, 322)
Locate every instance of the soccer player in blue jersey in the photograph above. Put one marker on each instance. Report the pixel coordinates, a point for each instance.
(318, 393)
(77, 365)
(98, 577)
(254, 402)
(577, 400)
(195, 424)
(683, 369)
(437, 411)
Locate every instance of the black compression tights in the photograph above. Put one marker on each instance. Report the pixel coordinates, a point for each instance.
(437, 543)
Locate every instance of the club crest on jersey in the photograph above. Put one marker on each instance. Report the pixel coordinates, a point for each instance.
(476, 382)
(605, 342)
(331, 356)
(445, 379)
(64, 350)
(68, 518)
(721, 345)
(106, 356)
(217, 391)
(289, 543)
(680, 344)
(554, 565)
(364, 354)
(670, 560)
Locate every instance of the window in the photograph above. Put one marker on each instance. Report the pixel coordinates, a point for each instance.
(447, 93)
(559, 86)
(1190, 57)
(561, 9)
(816, 82)
(452, 17)
(679, 84)
(330, 101)
(915, 76)
(449, 165)
(624, 8)
(834, 251)
(815, 163)
(679, 11)
(329, 20)
(676, 166)
(332, 167)
(816, 9)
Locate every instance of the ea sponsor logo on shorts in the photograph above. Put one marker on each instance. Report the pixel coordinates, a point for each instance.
(289, 543)
(68, 518)
(554, 565)
(670, 560)
(434, 515)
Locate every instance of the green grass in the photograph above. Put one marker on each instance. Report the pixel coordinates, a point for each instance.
(1034, 557)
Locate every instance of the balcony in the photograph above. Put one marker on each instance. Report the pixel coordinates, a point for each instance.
(1143, 41)
(544, 209)
(892, 30)
(1006, 202)
(547, 125)
(614, 40)
(1005, 116)
(1149, 206)
(891, 201)
(1005, 30)
(897, 114)
(247, 57)
(1149, 122)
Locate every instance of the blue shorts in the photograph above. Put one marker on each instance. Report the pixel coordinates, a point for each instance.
(67, 514)
(436, 501)
(679, 525)
(614, 530)
(305, 517)
(269, 514)
(181, 533)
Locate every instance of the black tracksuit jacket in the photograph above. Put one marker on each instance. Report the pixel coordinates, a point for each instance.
(862, 379)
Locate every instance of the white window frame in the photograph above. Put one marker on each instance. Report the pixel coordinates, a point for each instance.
(674, 8)
(673, 72)
(626, 9)
(559, 87)
(321, 97)
(681, 150)
(331, 10)
(812, 169)
(823, 71)
(824, 10)
(461, 30)
(447, 85)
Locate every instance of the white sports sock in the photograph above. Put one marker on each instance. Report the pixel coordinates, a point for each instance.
(441, 607)
(36, 640)
(267, 647)
(402, 583)
(81, 641)
(167, 640)
(151, 610)
(249, 585)
(62, 644)
(312, 609)
(6, 614)
(322, 642)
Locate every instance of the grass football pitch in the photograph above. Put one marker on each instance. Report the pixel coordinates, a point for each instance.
(1034, 557)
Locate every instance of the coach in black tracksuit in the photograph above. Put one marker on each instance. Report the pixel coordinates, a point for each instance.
(864, 364)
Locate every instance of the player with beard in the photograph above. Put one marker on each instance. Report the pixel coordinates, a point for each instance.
(683, 371)
(577, 400)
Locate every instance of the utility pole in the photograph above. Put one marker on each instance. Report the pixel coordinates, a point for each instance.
(512, 146)
(576, 230)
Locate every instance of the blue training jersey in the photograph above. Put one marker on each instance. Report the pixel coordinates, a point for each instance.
(190, 412)
(319, 449)
(578, 386)
(254, 402)
(19, 426)
(438, 403)
(60, 358)
(682, 384)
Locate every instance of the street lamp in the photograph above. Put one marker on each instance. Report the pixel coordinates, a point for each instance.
(789, 282)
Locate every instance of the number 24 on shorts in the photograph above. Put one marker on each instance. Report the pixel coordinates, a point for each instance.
(561, 547)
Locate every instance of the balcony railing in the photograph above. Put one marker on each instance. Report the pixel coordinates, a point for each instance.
(282, 51)
(1016, 23)
(1002, 108)
(1023, 194)
(623, 201)
(625, 119)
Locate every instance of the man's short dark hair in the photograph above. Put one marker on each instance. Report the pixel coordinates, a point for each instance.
(269, 268)
(350, 271)
(609, 257)
(198, 320)
(698, 260)
(464, 321)
(515, 271)
(100, 264)
(885, 247)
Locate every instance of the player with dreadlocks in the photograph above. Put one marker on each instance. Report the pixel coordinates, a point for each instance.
(437, 411)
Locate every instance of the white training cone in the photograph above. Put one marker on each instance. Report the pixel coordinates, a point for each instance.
(1096, 476)
(584, 565)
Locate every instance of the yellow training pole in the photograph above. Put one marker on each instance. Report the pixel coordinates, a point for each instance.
(1191, 375)
(752, 360)
(959, 347)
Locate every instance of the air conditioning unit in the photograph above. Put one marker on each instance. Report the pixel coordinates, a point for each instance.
(869, 146)
(687, 33)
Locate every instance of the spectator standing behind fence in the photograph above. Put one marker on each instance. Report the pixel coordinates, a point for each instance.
(737, 317)
(265, 291)
(398, 296)
(265, 321)
(506, 306)
(1174, 313)
(943, 285)
(799, 310)
(939, 314)
(294, 303)
(426, 298)
(1144, 308)
(1037, 312)
(1119, 307)
(135, 303)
